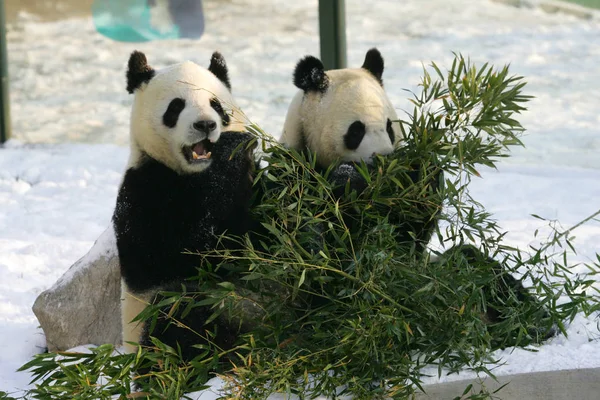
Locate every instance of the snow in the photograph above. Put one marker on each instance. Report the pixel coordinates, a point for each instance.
(70, 110)
(105, 246)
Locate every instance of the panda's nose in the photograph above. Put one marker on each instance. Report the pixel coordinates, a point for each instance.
(206, 126)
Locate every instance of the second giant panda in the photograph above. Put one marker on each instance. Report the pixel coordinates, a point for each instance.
(345, 116)
(184, 184)
(341, 114)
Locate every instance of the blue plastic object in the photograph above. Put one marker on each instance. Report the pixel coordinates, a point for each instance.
(145, 20)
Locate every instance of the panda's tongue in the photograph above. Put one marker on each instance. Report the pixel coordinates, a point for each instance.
(199, 152)
(199, 149)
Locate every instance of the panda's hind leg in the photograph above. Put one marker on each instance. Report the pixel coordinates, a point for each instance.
(132, 304)
(505, 296)
(186, 333)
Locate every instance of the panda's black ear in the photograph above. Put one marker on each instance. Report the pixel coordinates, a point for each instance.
(310, 75)
(138, 71)
(374, 64)
(218, 67)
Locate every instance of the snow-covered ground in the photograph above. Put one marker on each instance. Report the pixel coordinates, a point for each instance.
(68, 85)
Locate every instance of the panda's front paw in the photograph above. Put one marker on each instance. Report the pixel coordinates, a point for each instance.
(232, 145)
(347, 173)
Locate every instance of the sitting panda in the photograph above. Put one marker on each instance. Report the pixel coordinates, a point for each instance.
(346, 116)
(184, 185)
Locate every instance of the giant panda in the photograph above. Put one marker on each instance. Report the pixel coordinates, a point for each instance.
(341, 115)
(183, 186)
(344, 116)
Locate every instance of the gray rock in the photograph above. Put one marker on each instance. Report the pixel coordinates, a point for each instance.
(83, 306)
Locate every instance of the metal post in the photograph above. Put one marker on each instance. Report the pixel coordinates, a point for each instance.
(332, 28)
(4, 101)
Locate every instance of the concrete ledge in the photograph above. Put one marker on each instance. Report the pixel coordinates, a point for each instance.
(555, 6)
(574, 384)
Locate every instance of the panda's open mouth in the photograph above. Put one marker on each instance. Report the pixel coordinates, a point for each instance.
(198, 152)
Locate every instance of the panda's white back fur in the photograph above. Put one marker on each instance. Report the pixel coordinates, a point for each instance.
(197, 86)
(319, 119)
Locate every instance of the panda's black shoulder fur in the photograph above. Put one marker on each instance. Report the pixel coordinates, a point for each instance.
(160, 213)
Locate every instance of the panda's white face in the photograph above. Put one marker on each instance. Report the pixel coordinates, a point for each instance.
(341, 114)
(178, 113)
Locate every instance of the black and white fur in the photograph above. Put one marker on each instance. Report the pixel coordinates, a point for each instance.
(343, 114)
(346, 116)
(182, 188)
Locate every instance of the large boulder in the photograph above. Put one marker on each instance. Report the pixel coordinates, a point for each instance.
(83, 306)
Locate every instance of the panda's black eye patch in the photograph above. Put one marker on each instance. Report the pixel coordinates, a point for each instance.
(390, 131)
(216, 105)
(355, 134)
(175, 108)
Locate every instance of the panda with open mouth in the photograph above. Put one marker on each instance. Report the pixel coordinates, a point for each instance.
(188, 181)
